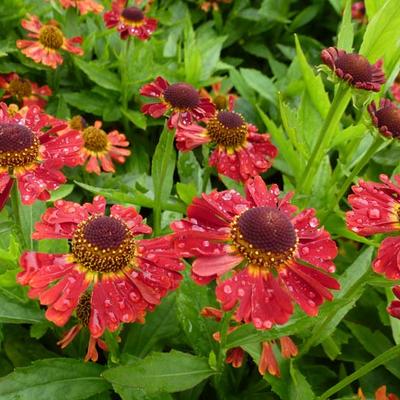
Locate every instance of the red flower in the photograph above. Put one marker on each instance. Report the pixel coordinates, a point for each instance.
(182, 99)
(261, 236)
(386, 119)
(84, 6)
(130, 21)
(100, 148)
(110, 277)
(49, 40)
(380, 394)
(358, 12)
(26, 92)
(213, 4)
(375, 209)
(31, 156)
(223, 100)
(240, 152)
(354, 69)
(394, 308)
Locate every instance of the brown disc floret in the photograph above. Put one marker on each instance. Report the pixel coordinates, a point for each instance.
(133, 14)
(19, 146)
(95, 139)
(50, 36)
(103, 244)
(227, 128)
(265, 236)
(182, 96)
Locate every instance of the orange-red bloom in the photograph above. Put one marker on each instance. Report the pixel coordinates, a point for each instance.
(354, 68)
(265, 247)
(380, 394)
(84, 6)
(32, 154)
(181, 100)
(109, 277)
(213, 4)
(26, 92)
(240, 151)
(223, 100)
(386, 118)
(100, 148)
(49, 39)
(129, 21)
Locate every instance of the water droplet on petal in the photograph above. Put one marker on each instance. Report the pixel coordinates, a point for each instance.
(227, 289)
(374, 213)
(305, 250)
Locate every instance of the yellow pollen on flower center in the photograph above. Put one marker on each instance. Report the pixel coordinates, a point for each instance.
(95, 139)
(19, 147)
(265, 236)
(20, 88)
(50, 36)
(104, 244)
(228, 129)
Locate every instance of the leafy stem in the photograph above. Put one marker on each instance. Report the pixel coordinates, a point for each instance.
(383, 358)
(16, 204)
(339, 104)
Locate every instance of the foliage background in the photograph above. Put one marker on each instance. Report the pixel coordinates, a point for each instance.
(252, 46)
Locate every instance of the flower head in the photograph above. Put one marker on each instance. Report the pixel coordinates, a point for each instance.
(386, 119)
(376, 209)
(354, 69)
(240, 151)
(110, 276)
(49, 40)
(23, 90)
(100, 148)
(31, 156)
(223, 100)
(213, 4)
(84, 6)
(380, 394)
(129, 21)
(181, 99)
(265, 245)
(358, 12)
(394, 307)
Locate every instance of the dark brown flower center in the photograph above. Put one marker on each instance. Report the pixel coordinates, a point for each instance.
(20, 88)
(95, 139)
(50, 36)
(77, 123)
(18, 145)
(389, 117)
(133, 14)
(83, 308)
(265, 236)
(103, 244)
(182, 96)
(356, 65)
(227, 129)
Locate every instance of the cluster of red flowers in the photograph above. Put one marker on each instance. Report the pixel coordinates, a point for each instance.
(265, 256)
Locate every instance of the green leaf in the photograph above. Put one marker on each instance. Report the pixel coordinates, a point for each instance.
(260, 83)
(136, 117)
(383, 34)
(346, 31)
(13, 311)
(99, 74)
(9, 257)
(191, 299)
(162, 372)
(315, 87)
(53, 379)
(61, 192)
(186, 191)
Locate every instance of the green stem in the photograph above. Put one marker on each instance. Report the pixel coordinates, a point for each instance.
(339, 104)
(206, 178)
(383, 358)
(15, 204)
(123, 67)
(169, 148)
(359, 166)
